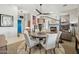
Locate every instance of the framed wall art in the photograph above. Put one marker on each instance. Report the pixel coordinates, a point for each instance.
(6, 20)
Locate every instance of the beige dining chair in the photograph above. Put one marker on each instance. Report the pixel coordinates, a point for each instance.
(30, 43)
(50, 42)
(58, 38)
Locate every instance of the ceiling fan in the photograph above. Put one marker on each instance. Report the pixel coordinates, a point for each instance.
(44, 14)
(40, 11)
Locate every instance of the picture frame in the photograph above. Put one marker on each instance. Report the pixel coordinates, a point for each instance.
(6, 20)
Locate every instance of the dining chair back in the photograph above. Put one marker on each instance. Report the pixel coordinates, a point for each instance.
(58, 36)
(51, 41)
(27, 37)
(30, 42)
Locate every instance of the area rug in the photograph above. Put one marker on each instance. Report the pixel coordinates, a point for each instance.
(36, 50)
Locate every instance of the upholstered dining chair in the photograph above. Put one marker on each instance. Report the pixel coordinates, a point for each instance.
(50, 42)
(29, 42)
(58, 38)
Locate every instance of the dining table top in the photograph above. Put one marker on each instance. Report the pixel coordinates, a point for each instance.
(40, 34)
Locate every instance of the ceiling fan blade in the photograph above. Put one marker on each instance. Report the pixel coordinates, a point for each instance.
(46, 13)
(38, 11)
(51, 18)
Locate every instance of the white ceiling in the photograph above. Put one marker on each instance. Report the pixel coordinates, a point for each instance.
(47, 7)
(51, 8)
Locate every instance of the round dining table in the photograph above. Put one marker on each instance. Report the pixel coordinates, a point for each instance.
(38, 35)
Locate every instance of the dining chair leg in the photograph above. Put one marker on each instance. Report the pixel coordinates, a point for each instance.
(58, 45)
(40, 48)
(54, 50)
(25, 47)
(51, 51)
(6, 49)
(45, 51)
(29, 50)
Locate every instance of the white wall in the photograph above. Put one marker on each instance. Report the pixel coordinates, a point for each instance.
(26, 18)
(74, 13)
(74, 17)
(10, 32)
